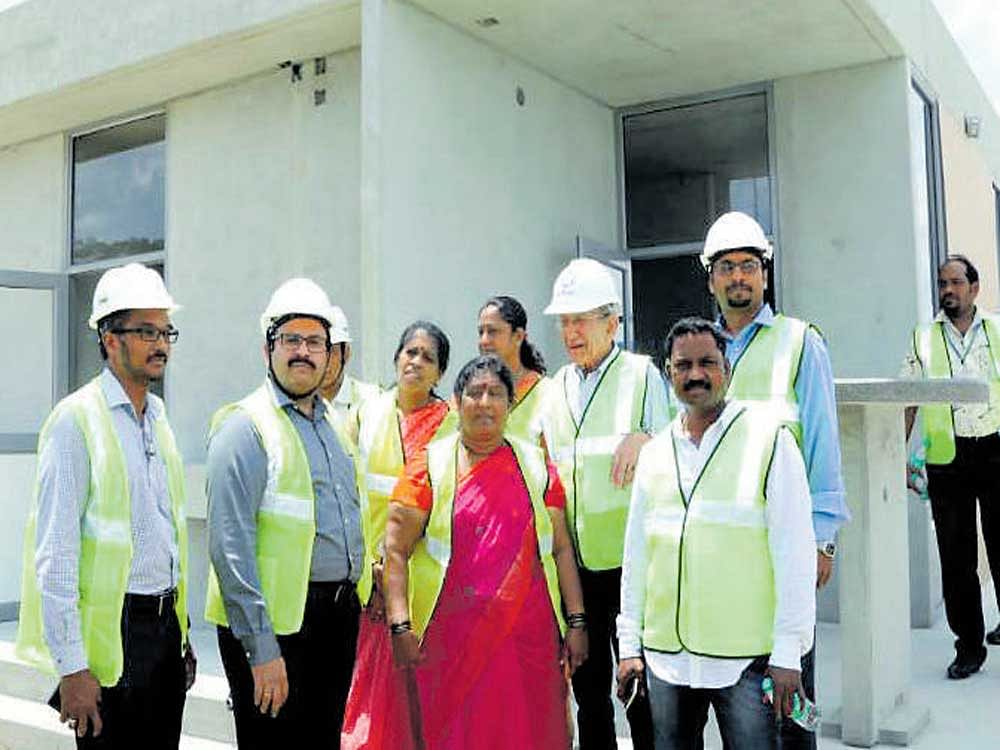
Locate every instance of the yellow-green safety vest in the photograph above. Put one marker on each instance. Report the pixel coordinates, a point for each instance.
(768, 368)
(938, 420)
(709, 577)
(380, 444)
(286, 519)
(432, 552)
(355, 394)
(105, 539)
(583, 453)
(525, 419)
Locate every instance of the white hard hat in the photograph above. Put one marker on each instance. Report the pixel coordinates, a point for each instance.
(734, 231)
(581, 286)
(297, 297)
(130, 287)
(340, 332)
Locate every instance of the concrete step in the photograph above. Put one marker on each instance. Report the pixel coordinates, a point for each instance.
(205, 714)
(29, 725)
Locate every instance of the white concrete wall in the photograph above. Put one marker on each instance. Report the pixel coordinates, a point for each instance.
(466, 193)
(262, 186)
(33, 199)
(33, 238)
(846, 212)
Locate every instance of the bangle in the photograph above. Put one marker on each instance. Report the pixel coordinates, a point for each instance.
(576, 620)
(398, 628)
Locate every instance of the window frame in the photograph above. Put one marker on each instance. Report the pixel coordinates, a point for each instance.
(765, 88)
(72, 269)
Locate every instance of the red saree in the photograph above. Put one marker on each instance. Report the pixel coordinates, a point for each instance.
(491, 677)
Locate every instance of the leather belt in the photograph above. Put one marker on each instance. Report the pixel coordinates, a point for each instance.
(151, 605)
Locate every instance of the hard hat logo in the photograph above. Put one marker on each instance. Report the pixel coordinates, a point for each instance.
(130, 287)
(583, 285)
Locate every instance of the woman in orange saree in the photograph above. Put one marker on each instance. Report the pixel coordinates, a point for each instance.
(393, 430)
(485, 656)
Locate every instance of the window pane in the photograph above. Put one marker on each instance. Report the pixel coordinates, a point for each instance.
(26, 322)
(687, 165)
(86, 356)
(118, 191)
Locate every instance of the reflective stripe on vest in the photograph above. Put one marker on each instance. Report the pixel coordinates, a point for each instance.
(105, 539)
(286, 520)
(595, 509)
(380, 442)
(709, 577)
(768, 368)
(432, 553)
(525, 419)
(938, 420)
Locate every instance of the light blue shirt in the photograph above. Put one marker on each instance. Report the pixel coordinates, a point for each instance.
(63, 496)
(818, 417)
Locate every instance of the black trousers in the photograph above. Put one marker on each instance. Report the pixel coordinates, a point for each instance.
(144, 709)
(954, 489)
(593, 682)
(319, 660)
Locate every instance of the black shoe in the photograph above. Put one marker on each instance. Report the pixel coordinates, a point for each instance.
(965, 665)
(993, 637)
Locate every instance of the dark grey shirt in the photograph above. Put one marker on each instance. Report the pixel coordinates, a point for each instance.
(237, 476)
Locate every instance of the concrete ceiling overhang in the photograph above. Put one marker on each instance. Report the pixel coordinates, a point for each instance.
(625, 52)
(324, 28)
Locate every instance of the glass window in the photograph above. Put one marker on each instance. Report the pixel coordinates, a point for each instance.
(118, 191)
(686, 165)
(928, 189)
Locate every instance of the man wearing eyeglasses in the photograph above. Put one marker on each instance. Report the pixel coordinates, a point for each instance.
(104, 590)
(284, 536)
(784, 362)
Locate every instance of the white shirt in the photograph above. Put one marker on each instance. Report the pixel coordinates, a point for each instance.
(793, 553)
(970, 357)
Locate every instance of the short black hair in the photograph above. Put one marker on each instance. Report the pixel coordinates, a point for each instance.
(971, 273)
(110, 323)
(752, 250)
(693, 326)
(484, 363)
(440, 341)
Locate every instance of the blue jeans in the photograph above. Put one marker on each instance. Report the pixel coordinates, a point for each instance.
(680, 713)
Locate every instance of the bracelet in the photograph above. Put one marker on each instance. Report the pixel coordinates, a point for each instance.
(398, 628)
(576, 620)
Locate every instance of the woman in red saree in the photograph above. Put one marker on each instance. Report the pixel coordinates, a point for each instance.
(479, 562)
(392, 430)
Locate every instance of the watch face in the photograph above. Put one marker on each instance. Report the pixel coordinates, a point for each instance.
(829, 549)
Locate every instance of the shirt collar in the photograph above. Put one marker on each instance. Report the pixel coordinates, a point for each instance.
(284, 402)
(977, 320)
(343, 397)
(114, 394)
(608, 358)
(765, 317)
(729, 413)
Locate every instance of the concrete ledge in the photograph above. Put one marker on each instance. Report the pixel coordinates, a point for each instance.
(911, 392)
(901, 728)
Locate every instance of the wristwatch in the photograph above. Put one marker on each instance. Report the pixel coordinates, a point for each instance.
(828, 550)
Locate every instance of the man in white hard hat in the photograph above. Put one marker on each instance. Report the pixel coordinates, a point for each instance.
(103, 599)
(341, 391)
(284, 536)
(784, 362)
(603, 408)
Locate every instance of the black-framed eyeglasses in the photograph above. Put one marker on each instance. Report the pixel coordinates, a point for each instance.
(151, 334)
(314, 344)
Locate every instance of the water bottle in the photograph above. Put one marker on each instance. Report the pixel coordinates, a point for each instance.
(804, 713)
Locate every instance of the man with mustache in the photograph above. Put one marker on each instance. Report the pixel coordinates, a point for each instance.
(600, 410)
(284, 536)
(103, 599)
(963, 454)
(718, 576)
(784, 362)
